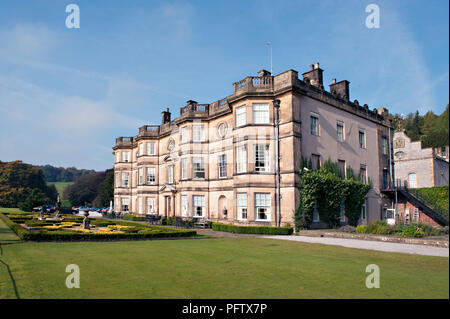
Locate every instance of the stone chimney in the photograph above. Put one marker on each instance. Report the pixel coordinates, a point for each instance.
(340, 89)
(264, 73)
(383, 111)
(314, 75)
(165, 116)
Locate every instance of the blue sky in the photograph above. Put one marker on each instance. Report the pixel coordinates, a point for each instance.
(66, 94)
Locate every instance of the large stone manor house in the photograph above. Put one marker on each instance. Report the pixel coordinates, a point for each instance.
(219, 160)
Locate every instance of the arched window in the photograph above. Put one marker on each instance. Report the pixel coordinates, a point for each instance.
(412, 181)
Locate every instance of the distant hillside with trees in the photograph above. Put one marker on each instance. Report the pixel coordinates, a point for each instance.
(61, 174)
(96, 189)
(23, 186)
(430, 128)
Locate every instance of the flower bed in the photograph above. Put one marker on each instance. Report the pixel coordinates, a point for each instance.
(70, 229)
(380, 227)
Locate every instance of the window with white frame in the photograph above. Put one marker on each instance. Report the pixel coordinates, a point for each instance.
(241, 199)
(184, 206)
(315, 124)
(117, 180)
(412, 180)
(241, 118)
(363, 174)
(363, 213)
(140, 205)
(141, 149)
(262, 206)
(340, 131)
(126, 156)
(184, 168)
(198, 166)
(125, 179)
(183, 133)
(151, 205)
(260, 113)
(117, 156)
(241, 159)
(261, 158)
(362, 138)
(199, 205)
(125, 204)
(198, 133)
(151, 175)
(151, 148)
(140, 176)
(170, 174)
(222, 166)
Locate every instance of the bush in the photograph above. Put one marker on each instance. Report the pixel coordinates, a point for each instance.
(134, 218)
(379, 227)
(361, 229)
(252, 229)
(412, 230)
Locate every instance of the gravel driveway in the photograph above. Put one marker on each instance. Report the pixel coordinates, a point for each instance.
(370, 245)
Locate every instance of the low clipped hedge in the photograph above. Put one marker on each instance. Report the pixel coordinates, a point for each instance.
(68, 235)
(263, 230)
(19, 230)
(134, 218)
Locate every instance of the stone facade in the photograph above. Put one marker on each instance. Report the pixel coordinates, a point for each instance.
(218, 160)
(419, 167)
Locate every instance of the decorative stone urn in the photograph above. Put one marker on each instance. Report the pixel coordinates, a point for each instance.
(86, 223)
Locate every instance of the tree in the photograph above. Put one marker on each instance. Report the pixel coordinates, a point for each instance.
(94, 189)
(36, 198)
(18, 181)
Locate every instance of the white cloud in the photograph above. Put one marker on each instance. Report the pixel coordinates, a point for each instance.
(28, 40)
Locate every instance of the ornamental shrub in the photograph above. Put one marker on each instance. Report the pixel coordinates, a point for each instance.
(361, 229)
(264, 230)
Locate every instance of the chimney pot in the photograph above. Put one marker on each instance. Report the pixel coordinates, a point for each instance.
(317, 65)
(314, 75)
(333, 81)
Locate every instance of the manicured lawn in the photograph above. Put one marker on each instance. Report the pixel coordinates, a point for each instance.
(216, 268)
(6, 234)
(60, 186)
(12, 211)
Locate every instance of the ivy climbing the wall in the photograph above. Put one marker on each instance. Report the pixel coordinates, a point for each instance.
(326, 188)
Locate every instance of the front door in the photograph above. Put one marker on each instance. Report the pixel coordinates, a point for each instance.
(168, 206)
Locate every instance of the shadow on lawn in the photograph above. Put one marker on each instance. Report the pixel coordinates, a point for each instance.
(10, 274)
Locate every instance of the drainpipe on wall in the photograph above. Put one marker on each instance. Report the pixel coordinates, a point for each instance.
(276, 104)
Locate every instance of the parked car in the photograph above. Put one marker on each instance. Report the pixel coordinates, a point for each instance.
(68, 210)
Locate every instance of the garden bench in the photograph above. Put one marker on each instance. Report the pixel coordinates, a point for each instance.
(202, 222)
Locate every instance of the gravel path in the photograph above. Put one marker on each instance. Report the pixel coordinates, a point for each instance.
(371, 245)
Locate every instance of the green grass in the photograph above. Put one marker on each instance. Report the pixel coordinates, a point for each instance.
(438, 194)
(12, 211)
(216, 268)
(60, 186)
(6, 234)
